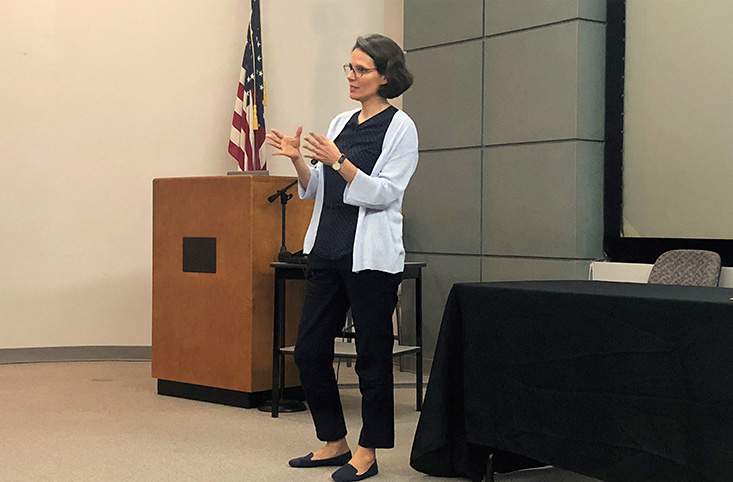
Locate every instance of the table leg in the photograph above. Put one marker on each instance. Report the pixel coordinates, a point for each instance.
(279, 322)
(281, 365)
(418, 340)
(490, 468)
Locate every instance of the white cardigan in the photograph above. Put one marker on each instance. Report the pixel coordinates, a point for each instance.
(378, 239)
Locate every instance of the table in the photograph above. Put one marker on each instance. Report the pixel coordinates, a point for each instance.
(296, 271)
(618, 381)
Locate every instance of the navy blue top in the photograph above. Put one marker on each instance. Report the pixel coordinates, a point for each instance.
(362, 145)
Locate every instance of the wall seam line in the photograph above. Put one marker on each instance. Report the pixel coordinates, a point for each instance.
(501, 34)
(481, 154)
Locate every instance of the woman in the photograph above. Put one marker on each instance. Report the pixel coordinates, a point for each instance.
(355, 252)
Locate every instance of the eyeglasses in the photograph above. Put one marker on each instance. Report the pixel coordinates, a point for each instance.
(358, 70)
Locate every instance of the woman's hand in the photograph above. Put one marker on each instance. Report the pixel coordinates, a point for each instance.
(284, 145)
(321, 148)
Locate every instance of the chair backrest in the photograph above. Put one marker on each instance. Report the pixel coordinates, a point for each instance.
(689, 267)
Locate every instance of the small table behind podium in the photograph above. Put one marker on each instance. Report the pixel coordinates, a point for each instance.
(294, 271)
(213, 241)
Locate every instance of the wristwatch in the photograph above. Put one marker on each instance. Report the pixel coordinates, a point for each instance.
(337, 165)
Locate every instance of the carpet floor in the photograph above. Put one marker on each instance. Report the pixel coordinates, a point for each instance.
(104, 421)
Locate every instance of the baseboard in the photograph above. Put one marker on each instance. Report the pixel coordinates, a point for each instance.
(222, 396)
(53, 354)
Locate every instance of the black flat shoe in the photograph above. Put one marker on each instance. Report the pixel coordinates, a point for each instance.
(347, 473)
(307, 461)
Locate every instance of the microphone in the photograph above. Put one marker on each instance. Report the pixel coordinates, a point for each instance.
(314, 162)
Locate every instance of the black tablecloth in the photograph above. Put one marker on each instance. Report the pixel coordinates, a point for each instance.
(618, 381)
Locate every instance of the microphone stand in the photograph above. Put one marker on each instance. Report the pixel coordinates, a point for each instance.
(284, 255)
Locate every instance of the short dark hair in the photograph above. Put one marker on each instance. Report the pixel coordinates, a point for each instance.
(389, 61)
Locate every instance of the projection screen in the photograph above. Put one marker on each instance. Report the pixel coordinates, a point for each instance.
(678, 119)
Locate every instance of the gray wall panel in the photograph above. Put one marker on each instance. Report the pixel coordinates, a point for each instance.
(529, 200)
(433, 22)
(535, 82)
(445, 101)
(589, 200)
(530, 91)
(591, 80)
(582, 269)
(518, 269)
(592, 10)
(509, 15)
(444, 198)
(438, 278)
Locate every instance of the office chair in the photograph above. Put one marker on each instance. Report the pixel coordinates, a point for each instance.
(688, 267)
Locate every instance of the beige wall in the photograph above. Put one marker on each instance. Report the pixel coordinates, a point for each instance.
(99, 99)
(305, 52)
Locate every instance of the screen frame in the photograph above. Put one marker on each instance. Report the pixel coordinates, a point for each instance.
(615, 246)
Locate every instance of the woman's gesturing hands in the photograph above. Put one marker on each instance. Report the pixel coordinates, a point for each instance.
(321, 148)
(285, 145)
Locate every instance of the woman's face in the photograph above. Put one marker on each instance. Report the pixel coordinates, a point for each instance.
(364, 87)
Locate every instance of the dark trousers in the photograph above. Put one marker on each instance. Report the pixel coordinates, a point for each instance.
(372, 297)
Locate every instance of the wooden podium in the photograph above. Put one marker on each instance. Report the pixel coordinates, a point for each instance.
(213, 241)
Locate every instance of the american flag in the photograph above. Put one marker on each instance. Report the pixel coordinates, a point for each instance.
(248, 125)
